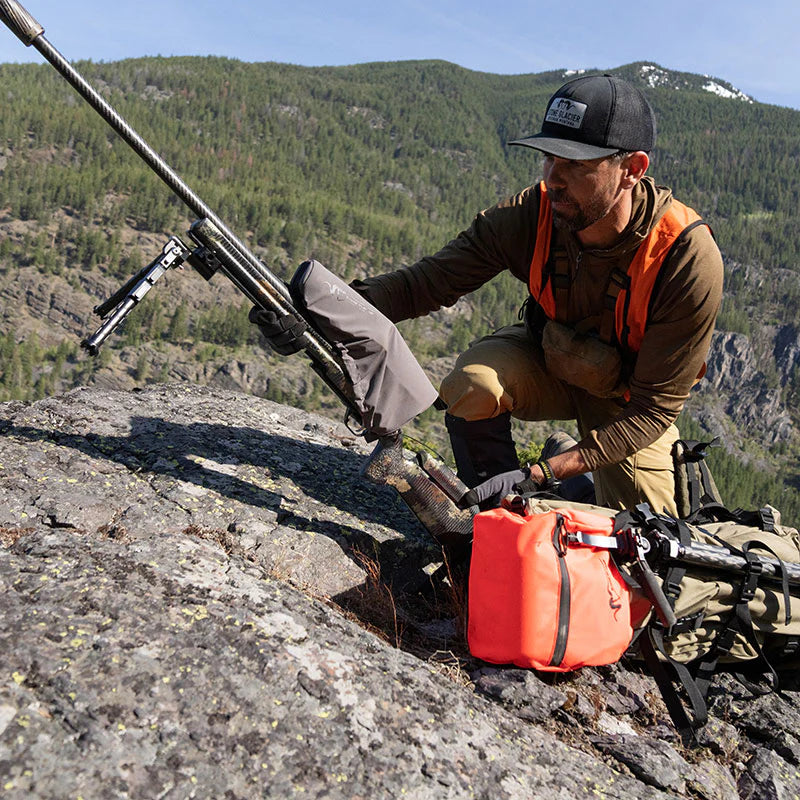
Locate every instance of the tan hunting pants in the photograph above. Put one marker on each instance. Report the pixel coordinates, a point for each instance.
(506, 372)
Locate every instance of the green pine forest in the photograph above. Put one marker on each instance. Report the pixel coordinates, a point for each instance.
(365, 168)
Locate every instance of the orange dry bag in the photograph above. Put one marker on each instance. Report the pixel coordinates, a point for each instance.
(539, 599)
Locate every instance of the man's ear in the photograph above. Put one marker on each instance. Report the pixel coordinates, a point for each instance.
(634, 166)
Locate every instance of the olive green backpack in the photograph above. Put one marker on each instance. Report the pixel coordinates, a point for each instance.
(736, 597)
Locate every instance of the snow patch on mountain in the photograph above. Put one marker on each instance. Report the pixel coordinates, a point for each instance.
(656, 76)
(723, 91)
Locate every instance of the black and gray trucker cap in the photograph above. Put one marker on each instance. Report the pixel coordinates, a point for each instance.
(592, 117)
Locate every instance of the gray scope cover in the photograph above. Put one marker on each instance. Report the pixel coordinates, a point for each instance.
(389, 384)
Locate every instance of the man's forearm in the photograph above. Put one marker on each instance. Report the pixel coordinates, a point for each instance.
(564, 465)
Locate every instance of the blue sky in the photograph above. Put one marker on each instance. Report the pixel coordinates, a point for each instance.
(755, 46)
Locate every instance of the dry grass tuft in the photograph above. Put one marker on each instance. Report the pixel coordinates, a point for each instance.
(373, 602)
(429, 622)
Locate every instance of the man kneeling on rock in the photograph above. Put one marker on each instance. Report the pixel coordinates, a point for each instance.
(624, 284)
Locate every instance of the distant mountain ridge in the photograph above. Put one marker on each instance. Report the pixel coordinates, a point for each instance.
(655, 76)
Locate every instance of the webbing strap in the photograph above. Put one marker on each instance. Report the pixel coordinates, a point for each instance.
(617, 282)
(648, 645)
(557, 270)
(675, 573)
(559, 273)
(695, 678)
(768, 519)
(763, 519)
(708, 482)
(693, 480)
(741, 621)
(755, 544)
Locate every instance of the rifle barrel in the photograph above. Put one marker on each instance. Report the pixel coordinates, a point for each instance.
(26, 28)
(257, 282)
(715, 557)
(146, 152)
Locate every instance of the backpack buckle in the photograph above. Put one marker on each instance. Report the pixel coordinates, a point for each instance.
(687, 624)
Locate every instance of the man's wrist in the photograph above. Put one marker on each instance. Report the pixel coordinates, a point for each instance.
(548, 479)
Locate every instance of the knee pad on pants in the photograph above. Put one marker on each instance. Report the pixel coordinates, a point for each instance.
(474, 393)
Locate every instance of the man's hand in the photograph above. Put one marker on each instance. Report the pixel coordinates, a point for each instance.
(282, 332)
(488, 494)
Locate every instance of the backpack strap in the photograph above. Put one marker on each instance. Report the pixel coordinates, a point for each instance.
(556, 271)
(708, 494)
(741, 621)
(763, 519)
(701, 490)
(755, 544)
(618, 281)
(651, 646)
(695, 678)
(675, 572)
(664, 669)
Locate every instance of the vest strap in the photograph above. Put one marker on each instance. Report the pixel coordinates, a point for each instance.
(618, 281)
(550, 276)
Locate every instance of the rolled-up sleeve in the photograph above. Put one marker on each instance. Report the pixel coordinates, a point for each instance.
(499, 238)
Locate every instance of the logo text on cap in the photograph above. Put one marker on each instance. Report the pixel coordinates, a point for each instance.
(566, 112)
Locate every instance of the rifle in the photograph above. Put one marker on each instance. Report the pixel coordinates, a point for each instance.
(426, 485)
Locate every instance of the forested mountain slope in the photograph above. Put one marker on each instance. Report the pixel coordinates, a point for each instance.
(365, 168)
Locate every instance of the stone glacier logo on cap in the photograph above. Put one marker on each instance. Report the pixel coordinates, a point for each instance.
(594, 116)
(564, 111)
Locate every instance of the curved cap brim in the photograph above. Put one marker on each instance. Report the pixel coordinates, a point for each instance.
(565, 148)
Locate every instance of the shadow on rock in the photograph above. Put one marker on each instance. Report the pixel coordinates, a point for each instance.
(269, 471)
(208, 455)
(421, 612)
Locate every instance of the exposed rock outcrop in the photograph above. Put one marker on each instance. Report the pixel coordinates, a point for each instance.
(737, 390)
(192, 587)
(787, 351)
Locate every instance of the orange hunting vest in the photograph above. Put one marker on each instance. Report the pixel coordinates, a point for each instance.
(628, 295)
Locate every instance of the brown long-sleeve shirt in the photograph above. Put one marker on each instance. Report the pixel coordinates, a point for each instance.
(680, 323)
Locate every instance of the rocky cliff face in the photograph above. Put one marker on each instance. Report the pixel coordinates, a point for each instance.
(202, 598)
(743, 396)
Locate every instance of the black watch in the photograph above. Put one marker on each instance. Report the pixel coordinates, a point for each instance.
(550, 483)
